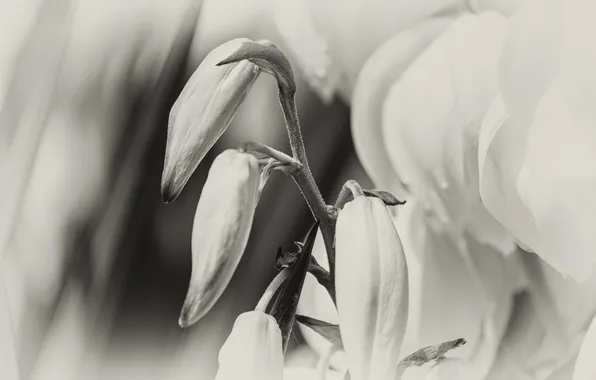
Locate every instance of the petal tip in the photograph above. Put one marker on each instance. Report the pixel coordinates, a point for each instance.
(168, 193)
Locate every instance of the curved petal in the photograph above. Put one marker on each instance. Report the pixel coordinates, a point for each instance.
(350, 31)
(500, 155)
(435, 153)
(383, 68)
(455, 291)
(585, 366)
(529, 56)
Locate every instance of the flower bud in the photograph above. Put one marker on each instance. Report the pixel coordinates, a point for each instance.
(202, 113)
(253, 349)
(220, 231)
(372, 289)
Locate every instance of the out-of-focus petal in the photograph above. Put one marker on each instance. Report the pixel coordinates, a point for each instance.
(529, 349)
(456, 291)
(537, 162)
(435, 153)
(253, 350)
(343, 34)
(500, 154)
(529, 56)
(585, 366)
(302, 373)
(380, 71)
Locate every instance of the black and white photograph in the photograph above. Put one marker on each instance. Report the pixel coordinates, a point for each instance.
(297, 190)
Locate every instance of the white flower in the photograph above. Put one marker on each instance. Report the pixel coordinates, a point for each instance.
(432, 117)
(456, 291)
(332, 39)
(376, 78)
(220, 230)
(538, 145)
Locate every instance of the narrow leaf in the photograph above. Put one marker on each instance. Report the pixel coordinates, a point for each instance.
(325, 329)
(284, 304)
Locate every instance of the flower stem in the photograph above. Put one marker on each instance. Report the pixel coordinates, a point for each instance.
(322, 277)
(271, 289)
(304, 179)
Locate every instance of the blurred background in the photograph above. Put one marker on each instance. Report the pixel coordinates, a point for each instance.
(94, 267)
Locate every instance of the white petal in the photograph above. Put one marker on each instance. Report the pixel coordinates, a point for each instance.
(456, 296)
(529, 57)
(585, 366)
(380, 71)
(435, 153)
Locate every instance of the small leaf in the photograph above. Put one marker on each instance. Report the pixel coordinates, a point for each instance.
(387, 198)
(269, 58)
(284, 304)
(430, 353)
(325, 329)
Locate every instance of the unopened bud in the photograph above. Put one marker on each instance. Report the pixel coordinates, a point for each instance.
(372, 289)
(220, 231)
(269, 58)
(202, 113)
(253, 351)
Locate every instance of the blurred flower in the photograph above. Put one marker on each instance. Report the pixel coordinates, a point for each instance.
(381, 70)
(202, 113)
(372, 289)
(585, 366)
(538, 145)
(457, 289)
(334, 37)
(253, 350)
(435, 153)
(301, 373)
(220, 231)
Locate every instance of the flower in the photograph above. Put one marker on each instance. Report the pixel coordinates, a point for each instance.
(538, 145)
(376, 78)
(456, 290)
(332, 39)
(372, 289)
(435, 153)
(220, 231)
(202, 113)
(253, 349)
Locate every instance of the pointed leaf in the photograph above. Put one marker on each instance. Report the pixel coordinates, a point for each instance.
(284, 304)
(327, 330)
